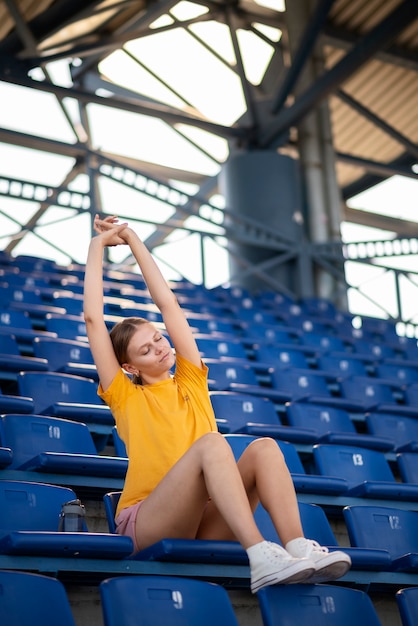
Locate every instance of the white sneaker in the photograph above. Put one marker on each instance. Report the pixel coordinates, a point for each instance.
(270, 564)
(328, 565)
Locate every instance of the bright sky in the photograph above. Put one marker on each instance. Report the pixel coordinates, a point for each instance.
(213, 89)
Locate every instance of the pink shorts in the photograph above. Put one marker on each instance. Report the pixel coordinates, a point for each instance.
(126, 522)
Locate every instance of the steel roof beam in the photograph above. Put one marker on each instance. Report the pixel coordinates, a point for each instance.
(306, 44)
(366, 48)
(378, 121)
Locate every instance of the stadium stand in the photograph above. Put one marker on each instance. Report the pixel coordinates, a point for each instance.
(318, 605)
(407, 600)
(28, 599)
(165, 600)
(250, 382)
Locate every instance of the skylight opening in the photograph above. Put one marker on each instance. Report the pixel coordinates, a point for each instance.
(275, 5)
(202, 79)
(188, 10)
(256, 55)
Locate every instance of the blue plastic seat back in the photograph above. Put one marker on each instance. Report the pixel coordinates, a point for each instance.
(271, 333)
(30, 435)
(151, 600)
(281, 357)
(239, 409)
(60, 352)
(223, 373)
(327, 342)
(341, 365)
(110, 501)
(299, 383)
(407, 600)
(66, 326)
(14, 319)
(30, 599)
(207, 325)
(31, 506)
(315, 524)
(118, 443)
(354, 464)
(49, 388)
(215, 348)
(367, 391)
(402, 430)
(408, 467)
(316, 605)
(411, 395)
(400, 374)
(8, 344)
(239, 443)
(385, 528)
(321, 418)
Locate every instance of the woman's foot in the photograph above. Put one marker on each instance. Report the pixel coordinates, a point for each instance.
(270, 564)
(329, 565)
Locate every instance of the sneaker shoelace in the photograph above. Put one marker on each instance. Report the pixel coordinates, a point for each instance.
(315, 547)
(279, 551)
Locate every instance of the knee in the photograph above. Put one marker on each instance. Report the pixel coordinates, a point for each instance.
(212, 442)
(266, 449)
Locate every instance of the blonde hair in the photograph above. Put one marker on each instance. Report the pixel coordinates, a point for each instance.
(121, 335)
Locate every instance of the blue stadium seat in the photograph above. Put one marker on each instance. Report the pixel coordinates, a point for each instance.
(371, 348)
(28, 599)
(370, 393)
(324, 343)
(254, 415)
(219, 347)
(66, 326)
(271, 333)
(367, 472)
(316, 605)
(341, 365)
(29, 519)
(408, 466)
(333, 425)
(12, 361)
(64, 395)
(16, 404)
(207, 325)
(400, 373)
(282, 356)
(386, 528)
(72, 304)
(6, 457)
(294, 384)
(17, 323)
(65, 355)
(224, 373)
(402, 430)
(151, 600)
(316, 526)
(407, 600)
(304, 483)
(118, 444)
(47, 444)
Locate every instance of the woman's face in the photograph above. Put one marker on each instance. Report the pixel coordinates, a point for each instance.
(150, 354)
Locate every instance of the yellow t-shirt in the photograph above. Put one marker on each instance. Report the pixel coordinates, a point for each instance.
(158, 423)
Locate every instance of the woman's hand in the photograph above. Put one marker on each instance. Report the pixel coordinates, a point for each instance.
(110, 230)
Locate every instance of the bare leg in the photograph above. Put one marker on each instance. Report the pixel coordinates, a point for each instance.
(267, 480)
(175, 507)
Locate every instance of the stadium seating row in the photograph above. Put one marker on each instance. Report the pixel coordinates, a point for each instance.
(29, 598)
(341, 401)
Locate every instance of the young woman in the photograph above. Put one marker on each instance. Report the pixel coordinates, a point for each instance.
(183, 480)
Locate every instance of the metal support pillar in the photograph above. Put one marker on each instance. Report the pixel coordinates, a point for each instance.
(316, 152)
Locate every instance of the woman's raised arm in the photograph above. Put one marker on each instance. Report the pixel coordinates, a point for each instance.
(175, 322)
(97, 332)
